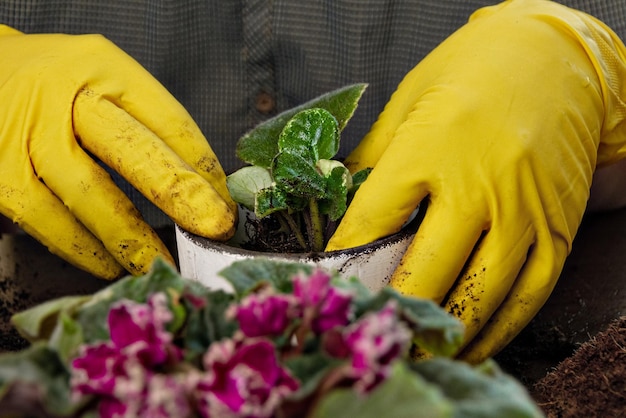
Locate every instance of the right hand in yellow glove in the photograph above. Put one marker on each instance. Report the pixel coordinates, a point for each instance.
(502, 127)
(64, 97)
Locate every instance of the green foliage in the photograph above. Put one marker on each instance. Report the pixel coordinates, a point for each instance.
(477, 391)
(292, 169)
(435, 387)
(247, 275)
(403, 395)
(259, 146)
(33, 380)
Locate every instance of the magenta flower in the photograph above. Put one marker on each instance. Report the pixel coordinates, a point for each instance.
(121, 372)
(138, 392)
(325, 306)
(375, 341)
(118, 380)
(168, 395)
(243, 379)
(98, 368)
(139, 330)
(266, 313)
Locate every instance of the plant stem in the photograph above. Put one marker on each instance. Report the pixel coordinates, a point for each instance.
(294, 228)
(316, 233)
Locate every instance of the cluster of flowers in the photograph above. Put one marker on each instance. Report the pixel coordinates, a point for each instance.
(141, 371)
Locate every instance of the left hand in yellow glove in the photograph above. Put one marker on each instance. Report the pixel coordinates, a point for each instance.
(502, 127)
(69, 100)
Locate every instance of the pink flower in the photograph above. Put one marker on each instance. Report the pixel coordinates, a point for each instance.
(139, 329)
(169, 395)
(98, 368)
(118, 380)
(123, 372)
(325, 306)
(375, 341)
(243, 379)
(266, 313)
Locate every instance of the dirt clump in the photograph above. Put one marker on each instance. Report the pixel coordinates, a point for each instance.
(590, 383)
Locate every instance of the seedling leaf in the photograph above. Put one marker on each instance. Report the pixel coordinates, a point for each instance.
(335, 203)
(269, 201)
(298, 176)
(245, 183)
(259, 146)
(312, 133)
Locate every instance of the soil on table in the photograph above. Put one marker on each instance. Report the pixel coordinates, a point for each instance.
(590, 383)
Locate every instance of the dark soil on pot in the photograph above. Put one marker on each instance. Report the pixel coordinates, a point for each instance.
(270, 235)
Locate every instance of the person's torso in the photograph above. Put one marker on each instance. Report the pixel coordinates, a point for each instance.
(234, 64)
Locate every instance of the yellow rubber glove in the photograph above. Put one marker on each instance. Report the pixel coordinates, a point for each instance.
(501, 127)
(64, 98)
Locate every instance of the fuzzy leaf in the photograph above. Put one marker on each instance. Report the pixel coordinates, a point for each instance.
(67, 336)
(481, 391)
(161, 278)
(335, 203)
(269, 201)
(260, 145)
(247, 275)
(208, 324)
(294, 174)
(312, 134)
(34, 382)
(358, 178)
(310, 370)
(39, 322)
(403, 394)
(245, 183)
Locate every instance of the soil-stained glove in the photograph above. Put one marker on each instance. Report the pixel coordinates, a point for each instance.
(64, 99)
(501, 127)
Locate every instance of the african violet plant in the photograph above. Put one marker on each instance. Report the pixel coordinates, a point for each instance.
(291, 341)
(292, 175)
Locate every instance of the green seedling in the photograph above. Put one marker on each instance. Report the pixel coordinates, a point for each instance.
(292, 174)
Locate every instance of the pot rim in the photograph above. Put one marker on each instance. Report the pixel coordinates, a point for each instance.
(409, 229)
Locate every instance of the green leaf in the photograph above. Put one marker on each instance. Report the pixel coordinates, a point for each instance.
(434, 330)
(260, 145)
(67, 337)
(162, 277)
(359, 178)
(297, 176)
(269, 201)
(335, 203)
(482, 391)
(35, 379)
(208, 324)
(326, 167)
(39, 322)
(247, 275)
(310, 370)
(403, 394)
(312, 134)
(245, 183)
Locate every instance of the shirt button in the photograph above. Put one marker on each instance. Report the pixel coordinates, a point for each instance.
(264, 102)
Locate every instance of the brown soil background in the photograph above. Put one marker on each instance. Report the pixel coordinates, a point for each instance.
(590, 383)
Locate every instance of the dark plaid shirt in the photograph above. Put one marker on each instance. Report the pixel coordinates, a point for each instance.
(235, 63)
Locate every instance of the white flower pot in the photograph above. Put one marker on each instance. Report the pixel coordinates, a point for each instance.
(201, 258)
